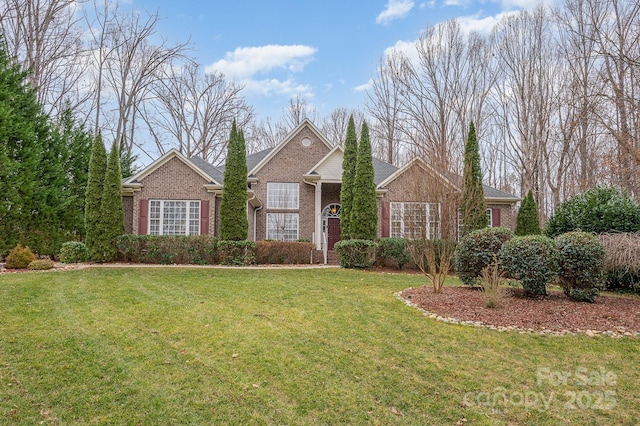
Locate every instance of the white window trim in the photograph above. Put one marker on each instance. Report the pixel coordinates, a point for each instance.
(296, 201)
(427, 225)
(187, 216)
(278, 236)
(489, 218)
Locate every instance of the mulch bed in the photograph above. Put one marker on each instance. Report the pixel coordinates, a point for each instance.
(555, 312)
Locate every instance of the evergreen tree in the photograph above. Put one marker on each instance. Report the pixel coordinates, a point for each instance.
(234, 225)
(473, 207)
(93, 197)
(527, 222)
(76, 163)
(32, 176)
(127, 160)
(348, 176)
(364, 215)
(111, 221)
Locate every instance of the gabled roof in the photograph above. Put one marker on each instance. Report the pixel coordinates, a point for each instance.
(455, 181)
(272, 152)
(419, 162)
(214, 172)
(208, 172)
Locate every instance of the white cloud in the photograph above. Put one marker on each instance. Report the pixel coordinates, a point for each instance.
(274, 87)
(482, 25)
(395, 9)
(408, 48)
(245, 62)
(364, 87)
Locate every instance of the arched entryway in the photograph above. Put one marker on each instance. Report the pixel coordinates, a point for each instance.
(331, 224)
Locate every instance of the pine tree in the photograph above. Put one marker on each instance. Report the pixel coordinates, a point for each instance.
(348, 176)
(93, 198)
(111, 221)
(473, 207)
(527, 222)
(234, 225)
(365, 205)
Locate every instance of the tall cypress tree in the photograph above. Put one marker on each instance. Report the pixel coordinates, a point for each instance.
(93, 198)
(111, 221)
(348, 176)
(234, 225)
(365, 207)
(527, 221)
(473, 207)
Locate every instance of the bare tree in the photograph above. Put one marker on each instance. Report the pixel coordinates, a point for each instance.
(129, 63)
(617, 26)
(193, 111)
(334, 126)
(45, 36)
(384, 105)
(296, 112)
(527, 93)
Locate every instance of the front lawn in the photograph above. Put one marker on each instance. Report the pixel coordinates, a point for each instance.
(280, 346)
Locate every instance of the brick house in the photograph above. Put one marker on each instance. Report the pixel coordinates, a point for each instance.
(293, 192)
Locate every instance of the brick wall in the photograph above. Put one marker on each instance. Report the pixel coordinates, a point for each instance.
(174, 180)
(289, 165)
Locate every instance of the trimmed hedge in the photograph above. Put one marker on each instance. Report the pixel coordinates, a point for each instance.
(531, 259)
(283, 252)
(476, 250)
(168, 249)
(237, 253)
(358, 254)
(392, 252)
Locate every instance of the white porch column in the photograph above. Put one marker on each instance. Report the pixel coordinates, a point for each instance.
(318, 215)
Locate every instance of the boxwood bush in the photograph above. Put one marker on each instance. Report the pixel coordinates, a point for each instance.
(392, 251)
(581, 257)
(476, 250)
(359, 254)
(73, 252)
(531, 259)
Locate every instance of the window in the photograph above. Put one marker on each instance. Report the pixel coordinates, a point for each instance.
(282, 195)
(489, 218)
(415, 220)
(172, 217)
(282, 226)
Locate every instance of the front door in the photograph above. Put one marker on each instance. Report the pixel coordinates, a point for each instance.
(333, 231)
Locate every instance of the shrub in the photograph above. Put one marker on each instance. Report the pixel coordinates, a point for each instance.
(73, 252)
(358, 254)
(19, 257)
(41, 265)
(168, 249)
(622, 260)
(237, 253)
(599, 210)
(531, 259)
(283, 252)
(475, 252)
(581, 257)
(392, 252)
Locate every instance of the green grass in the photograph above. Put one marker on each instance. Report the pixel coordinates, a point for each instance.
(319, 346)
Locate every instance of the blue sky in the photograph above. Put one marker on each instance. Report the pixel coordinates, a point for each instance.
(326, 51)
